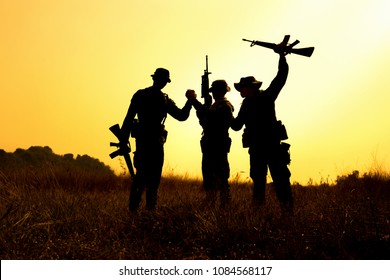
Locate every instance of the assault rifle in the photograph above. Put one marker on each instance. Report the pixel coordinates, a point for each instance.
(122, 150)
(283, 47)
(206, 85)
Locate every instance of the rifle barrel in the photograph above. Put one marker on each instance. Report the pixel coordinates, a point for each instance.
(129, 164)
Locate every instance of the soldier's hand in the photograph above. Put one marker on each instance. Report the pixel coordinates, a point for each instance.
(281, 50)
(190, 94)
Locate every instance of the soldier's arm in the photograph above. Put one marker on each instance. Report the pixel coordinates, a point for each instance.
(176, 112)
(238, 122)
(280, 80)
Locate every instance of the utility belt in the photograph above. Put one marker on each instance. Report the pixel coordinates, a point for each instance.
(137, 132)
(210, 145)
(276, 132)
(281, 132)
(269, 142)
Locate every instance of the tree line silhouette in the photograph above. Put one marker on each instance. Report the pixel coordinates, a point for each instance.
(37, 156)
(36, 165)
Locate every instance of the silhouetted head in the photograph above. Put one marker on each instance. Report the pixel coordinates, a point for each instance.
(249, 82)
(219, 85)
(161, 74)
(248, 86)
(219, 88)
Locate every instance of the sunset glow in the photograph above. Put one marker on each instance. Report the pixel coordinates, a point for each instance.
(69, 69)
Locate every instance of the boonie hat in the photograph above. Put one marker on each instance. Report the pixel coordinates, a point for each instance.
(249, 81)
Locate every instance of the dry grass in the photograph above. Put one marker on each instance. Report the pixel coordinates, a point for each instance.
(53, 214)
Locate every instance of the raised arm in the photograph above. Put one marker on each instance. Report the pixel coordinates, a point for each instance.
(176, 112)
(280, 80)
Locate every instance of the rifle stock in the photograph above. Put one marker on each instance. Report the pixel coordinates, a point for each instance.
(303, 51)
(283, 47)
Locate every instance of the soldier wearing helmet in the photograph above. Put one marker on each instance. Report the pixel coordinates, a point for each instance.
(215, 142)
(151, 106)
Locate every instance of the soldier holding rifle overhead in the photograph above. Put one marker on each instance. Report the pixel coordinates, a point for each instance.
(151, 106)
(263, 134)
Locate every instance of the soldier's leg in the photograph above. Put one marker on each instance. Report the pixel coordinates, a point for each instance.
(258, 173)
(281, 178)
(136, 192)
(151, 192)
(224, 194)
(223, 173)
(208, 178)
(152, 189)
(155, 165)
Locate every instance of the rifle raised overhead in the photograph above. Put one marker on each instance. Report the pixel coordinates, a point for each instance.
(283, 47)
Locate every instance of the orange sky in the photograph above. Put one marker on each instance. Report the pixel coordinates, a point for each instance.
(69, 68)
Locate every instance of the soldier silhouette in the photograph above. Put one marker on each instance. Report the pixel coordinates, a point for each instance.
(151, 106)
(263, 134)
(215, 142)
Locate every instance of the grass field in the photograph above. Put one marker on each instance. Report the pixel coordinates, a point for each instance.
(53, 213)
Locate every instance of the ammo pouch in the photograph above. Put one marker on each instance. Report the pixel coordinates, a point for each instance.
(135, 131)
(164, 134)
(281, 131)
(284, 153)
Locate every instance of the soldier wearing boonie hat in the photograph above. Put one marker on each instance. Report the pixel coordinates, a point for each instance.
(263, 134)
(249, 81)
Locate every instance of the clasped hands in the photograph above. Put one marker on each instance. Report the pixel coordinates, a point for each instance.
(190, 94)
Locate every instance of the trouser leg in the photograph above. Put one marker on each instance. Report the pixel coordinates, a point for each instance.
(225, 195)
(208, 179)
(281, 178)
(151, 193)
(216, 172)
(148, 160)
(154, 177)
(259, 191)
(136, 193)
(258, 173)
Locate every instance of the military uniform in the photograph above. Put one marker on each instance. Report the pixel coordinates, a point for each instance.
(151, 106)
(263, 135)
(215, 145)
